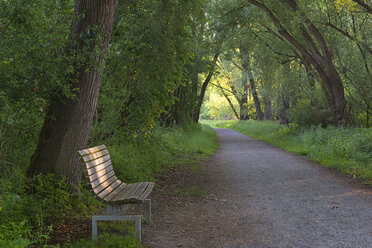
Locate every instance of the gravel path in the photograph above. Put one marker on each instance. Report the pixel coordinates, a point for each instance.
(249, 194)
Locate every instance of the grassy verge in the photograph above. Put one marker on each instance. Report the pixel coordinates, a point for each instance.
(139, 160)
(348, 150)
(28, 220)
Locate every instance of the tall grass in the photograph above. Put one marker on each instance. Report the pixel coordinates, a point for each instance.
(138, 160)
(349, 150)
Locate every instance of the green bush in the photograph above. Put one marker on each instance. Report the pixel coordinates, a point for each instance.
(14, 234)
(307, 114)
(27, 215)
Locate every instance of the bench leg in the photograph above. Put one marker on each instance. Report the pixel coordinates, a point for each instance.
(135, 218)
(148, 210)
(137, 228)
(94, 228)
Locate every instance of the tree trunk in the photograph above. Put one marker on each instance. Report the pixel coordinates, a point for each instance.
(243, 99)
(204, 89)
(230, 103)
(256, 101)
(283, 108)
(247, 69)
(267, 110)
(68, 121)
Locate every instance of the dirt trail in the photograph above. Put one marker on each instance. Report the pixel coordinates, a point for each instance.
(249, 194)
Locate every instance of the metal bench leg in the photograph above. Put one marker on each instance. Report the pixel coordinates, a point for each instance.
(137, 228)
(94, 228)
(148, 210)
(135, 218)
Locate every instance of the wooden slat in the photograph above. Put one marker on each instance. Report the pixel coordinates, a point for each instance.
(118, 196)
(103, 178)
(105, 186)
(91, 150)
(99, 174)
(117, 191)
(147, 192)
(131, 191)
(95, 155)
(109, 189)
(138, 192)
(97, 161)
(98, 168)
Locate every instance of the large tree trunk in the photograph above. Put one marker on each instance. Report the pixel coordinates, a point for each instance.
(68, 121)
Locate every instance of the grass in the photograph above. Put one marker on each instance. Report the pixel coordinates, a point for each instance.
(348, 150)
(109, 241)
(27, 219)
(138, 161)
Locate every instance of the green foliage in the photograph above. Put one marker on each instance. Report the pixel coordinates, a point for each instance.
(107, 240)
(307, 114)
(152, 44)
(138, 159)
(14, 234)
(159, 54)
(26, 216)
(216, 107)
(32, 70)
(345, 149)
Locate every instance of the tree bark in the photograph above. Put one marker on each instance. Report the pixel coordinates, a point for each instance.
(252, 83)
(68, 121)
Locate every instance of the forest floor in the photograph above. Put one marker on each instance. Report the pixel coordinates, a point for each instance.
(250, 194)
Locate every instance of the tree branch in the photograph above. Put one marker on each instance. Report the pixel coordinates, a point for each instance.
(364, 5)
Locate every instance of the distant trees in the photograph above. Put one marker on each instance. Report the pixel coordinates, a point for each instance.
(324, 42)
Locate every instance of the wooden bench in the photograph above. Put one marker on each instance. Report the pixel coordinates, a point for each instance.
(112, 191)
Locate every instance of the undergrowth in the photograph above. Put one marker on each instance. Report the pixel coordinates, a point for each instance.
(141, 158)
(28, 209)
(348, 150)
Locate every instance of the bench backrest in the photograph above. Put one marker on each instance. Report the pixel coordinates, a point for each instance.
(99, 170)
